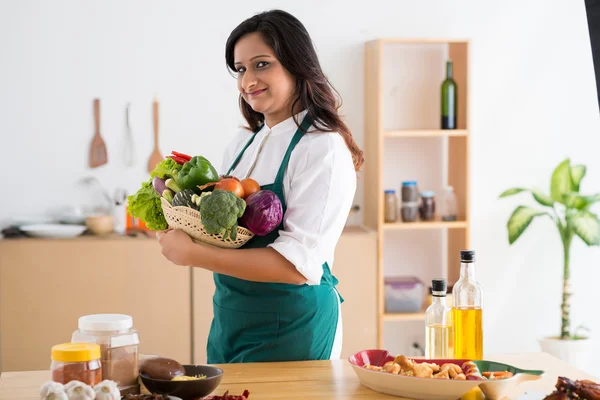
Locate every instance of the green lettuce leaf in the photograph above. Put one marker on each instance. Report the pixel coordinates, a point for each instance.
(165, 168)
(145, 205)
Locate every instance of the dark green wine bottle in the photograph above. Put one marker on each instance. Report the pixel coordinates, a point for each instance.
(449, 99)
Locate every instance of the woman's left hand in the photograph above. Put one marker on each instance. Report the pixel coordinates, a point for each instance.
(176, 246)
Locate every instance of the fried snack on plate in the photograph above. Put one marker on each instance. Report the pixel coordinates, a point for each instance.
(434, 367)
(373, 367)
(442, 375)
(453, 369)
(392, 367)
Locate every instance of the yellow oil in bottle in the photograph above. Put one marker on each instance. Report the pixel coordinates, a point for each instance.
(439, 339)
(468, 333)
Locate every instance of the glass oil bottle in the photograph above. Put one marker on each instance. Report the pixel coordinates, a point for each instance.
(467, 311)
(438, 324)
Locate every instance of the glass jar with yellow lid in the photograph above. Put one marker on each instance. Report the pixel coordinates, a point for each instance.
(76, 362)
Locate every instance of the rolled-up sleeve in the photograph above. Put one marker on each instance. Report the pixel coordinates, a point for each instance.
(319, 191)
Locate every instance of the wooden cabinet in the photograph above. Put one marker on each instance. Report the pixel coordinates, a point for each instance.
(46, 285)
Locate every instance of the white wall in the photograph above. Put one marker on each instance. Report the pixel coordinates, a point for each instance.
(533, 90)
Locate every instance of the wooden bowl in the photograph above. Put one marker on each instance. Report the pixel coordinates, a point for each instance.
(187, 390)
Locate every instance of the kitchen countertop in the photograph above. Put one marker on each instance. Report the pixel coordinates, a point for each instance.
(315, 379)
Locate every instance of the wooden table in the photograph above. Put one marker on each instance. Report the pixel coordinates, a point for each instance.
(313, 380)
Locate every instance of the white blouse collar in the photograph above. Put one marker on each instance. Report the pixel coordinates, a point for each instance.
(288, 125)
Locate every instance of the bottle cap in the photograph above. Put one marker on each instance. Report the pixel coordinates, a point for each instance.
(389, 191)
(467, 255)
(409, 183)
(75, 352)
(438, 285)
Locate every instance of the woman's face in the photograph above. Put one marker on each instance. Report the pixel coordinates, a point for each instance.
(263, 82)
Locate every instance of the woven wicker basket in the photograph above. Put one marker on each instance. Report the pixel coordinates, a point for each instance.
(188, 220)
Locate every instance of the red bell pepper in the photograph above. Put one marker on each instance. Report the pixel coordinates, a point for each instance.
(181, 155)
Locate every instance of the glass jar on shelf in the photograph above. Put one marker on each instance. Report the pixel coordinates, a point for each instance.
(427, 206)
(410, 201)
(391, 206)
(448, 206)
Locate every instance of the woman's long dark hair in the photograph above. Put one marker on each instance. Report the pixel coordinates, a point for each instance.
(294, 49)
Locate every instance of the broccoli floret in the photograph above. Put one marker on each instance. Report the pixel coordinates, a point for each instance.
(220, 212)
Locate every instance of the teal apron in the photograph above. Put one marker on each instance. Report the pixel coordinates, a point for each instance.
(258, 321)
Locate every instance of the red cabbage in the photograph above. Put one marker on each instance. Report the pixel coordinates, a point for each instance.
(263, 212)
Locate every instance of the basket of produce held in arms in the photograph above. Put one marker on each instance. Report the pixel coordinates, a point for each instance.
(186, 193)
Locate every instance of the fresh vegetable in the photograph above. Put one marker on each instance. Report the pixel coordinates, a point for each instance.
(220, 212)
(145, 205)
(232, 185)
(107, 390)
(168, 195)
(172, 184)
(263, 214)
(166, 168)
(196, 172)
(249, 186)
(181, 155)
(184, 199)
(53, 391)
(159, 184)
(178, 160)
(81, 391)
(198, 198)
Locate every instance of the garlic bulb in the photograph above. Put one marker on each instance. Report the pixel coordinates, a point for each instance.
(53, 391)
(71, 384)
(107, 390)
(81, 391)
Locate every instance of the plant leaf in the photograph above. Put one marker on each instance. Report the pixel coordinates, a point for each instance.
(579, 202)
(512, 191)
(561, 182)
(542, 198)
(575, 200)
(587, 226)
(520, 220)
(577, 174)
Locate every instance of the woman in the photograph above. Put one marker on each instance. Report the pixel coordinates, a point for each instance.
(275, 298)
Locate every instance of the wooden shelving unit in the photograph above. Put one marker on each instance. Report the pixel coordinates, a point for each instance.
(379, 139)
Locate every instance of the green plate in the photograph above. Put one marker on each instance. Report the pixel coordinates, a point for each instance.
(498, 389)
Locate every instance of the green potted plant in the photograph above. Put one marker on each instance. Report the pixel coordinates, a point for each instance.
(569, 209)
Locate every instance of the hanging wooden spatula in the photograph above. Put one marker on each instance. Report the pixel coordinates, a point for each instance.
(98, 155)
(155, 157)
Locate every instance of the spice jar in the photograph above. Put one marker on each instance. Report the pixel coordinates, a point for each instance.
(427, 208)
(119, 344)
(391, 206)
(76, 362)
(410, 205)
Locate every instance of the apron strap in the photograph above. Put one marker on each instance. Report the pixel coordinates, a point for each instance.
(239, 156)
(306, 122)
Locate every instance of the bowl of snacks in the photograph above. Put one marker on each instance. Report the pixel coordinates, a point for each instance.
(165, 376)
(436, 379)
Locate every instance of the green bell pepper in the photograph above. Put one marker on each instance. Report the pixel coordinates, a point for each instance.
(196, 172)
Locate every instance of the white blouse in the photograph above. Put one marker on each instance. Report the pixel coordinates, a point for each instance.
(319, 187)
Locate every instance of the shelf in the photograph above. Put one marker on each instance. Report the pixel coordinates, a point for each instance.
(404, 317)
(400, 40)
(416, 133)
(425, 225)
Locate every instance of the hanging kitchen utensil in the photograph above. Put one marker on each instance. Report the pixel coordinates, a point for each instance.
(156, 157)
(128, 154)
(98, 155)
